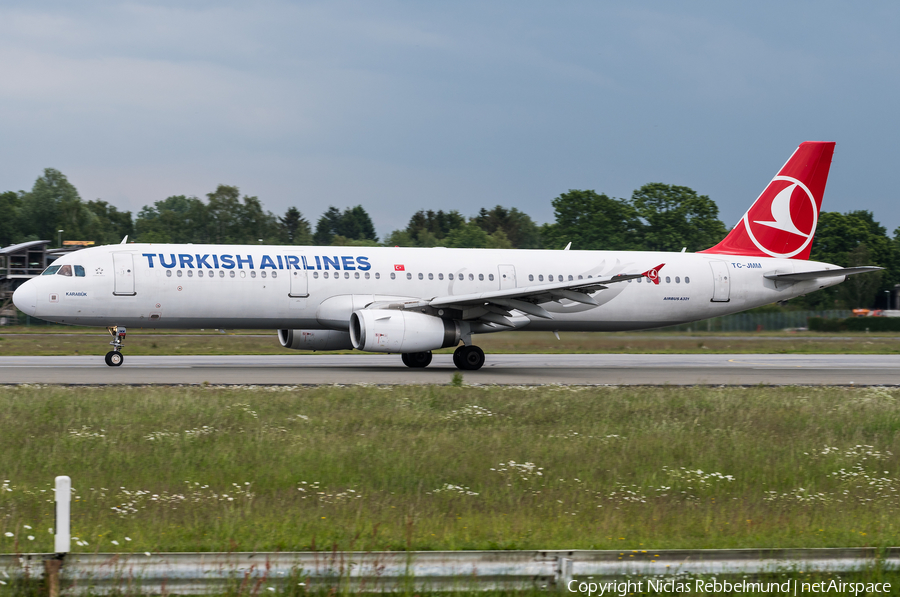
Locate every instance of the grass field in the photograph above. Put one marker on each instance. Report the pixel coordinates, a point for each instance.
(73, 341)
(218, 469)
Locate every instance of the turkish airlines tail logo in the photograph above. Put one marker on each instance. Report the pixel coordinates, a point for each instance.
(782, 220)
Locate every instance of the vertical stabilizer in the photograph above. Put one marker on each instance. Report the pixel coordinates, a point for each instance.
(782, 220)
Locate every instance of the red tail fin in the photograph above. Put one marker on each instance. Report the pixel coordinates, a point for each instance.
(782, 220)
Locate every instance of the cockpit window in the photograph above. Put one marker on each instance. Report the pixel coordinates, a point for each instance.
(79, 271)
(65, 270)
(51, 270)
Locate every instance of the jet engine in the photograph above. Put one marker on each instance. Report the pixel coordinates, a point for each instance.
(315, 339)
(393, 330)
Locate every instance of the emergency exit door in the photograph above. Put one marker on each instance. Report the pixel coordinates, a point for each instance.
(299, 283)
(507, 276)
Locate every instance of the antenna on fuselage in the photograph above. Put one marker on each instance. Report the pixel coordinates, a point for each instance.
(124, 240)
(567, 246)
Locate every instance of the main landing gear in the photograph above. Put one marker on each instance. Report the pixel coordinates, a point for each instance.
(114, 357)
(467, 358)
(416, 360)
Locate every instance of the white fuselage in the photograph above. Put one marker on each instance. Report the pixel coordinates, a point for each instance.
(291, 287)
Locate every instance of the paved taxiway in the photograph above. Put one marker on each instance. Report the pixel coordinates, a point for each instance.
(620, 369)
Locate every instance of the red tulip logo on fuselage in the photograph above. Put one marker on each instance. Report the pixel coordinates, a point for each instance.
(783, 219)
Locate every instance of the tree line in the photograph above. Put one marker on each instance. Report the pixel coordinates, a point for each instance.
(657, 217)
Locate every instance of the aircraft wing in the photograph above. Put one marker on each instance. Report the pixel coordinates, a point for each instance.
(822, 273)
(494, 307)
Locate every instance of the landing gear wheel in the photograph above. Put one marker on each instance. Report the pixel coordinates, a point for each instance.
(114, 358)
(468, 358)
(416, 360)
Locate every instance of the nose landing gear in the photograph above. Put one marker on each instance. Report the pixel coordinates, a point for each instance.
(114, 357)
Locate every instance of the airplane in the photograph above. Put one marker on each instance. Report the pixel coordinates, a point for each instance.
(412, 301)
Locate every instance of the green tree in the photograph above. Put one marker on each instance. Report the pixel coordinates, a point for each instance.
(294, 228)
(10, 203)
(109, 225)
(676, 217)
(517, 227)
(176, 219)
(429, 225)
(52, 204)
(469, 236)
(353, 223)
(593, 221)
(853, 238)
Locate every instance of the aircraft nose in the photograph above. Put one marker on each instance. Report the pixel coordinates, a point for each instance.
(25, 298)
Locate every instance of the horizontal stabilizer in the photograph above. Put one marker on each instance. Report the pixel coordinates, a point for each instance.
(823, 273)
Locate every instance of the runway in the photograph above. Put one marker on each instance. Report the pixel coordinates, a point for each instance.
(503, 369)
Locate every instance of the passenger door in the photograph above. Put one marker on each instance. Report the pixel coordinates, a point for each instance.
(721, 284)
(123, 269)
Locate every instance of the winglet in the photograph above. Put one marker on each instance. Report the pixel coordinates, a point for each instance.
(653, 274)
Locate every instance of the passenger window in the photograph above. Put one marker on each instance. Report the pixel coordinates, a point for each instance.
(168, 273)
(324, 274)
(274, 274)
(471, 277)
(199, 273)
(408, 276)
(440, 276)
(570, 277)
(261, 274)
(687, 280)
(481, 277)
(355, 275)
(222, 273)
(191, 273)
(431, 276)
(580, 277)
(668, 280)
(450, 276)
(346, 275)
(531, 277)
(421, 276)
(179, 273)
(65, 270)
(491, 277)
(540, 277)
(677, 280)
(253, 274)
(393, 275)
(367, 275)
(79, 271)
(51, 270)
(315, 274)
(550, 277)
(377, 275)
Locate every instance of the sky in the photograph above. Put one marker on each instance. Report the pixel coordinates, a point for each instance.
(401, 106)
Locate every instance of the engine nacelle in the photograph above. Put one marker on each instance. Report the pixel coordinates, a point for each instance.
(315, 339)
(393, 330)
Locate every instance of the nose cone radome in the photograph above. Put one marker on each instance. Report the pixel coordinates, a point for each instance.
(25, 298)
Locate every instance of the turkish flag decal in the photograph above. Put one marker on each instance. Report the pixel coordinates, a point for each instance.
(399, 268)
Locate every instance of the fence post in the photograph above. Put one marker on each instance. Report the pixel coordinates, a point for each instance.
(61, 538)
